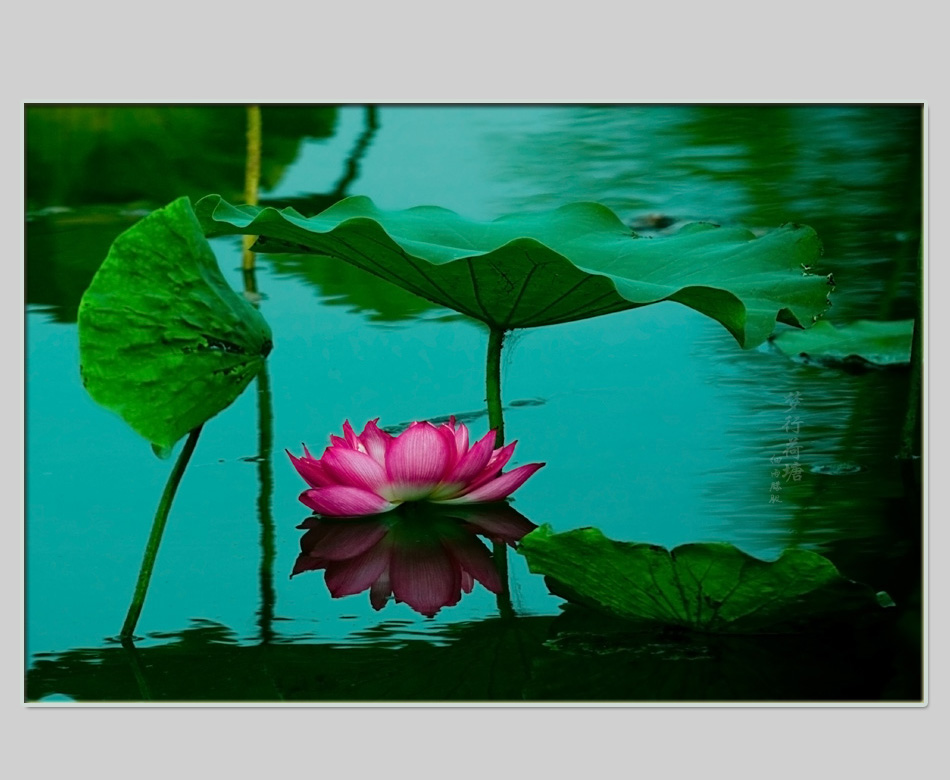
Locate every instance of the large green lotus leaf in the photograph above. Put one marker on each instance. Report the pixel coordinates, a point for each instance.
(163, 340)
(858, 343)
(711, 587)
(543, 268)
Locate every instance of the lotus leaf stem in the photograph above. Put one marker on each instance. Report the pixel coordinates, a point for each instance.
(496, 421)
(155, 537)
(252, 177)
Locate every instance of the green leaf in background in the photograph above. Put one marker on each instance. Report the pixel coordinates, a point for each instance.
(861, 343)
(712, 587)
(94, 170)
(544, 268)
(80, 155)
(163, 340)
(63, 252)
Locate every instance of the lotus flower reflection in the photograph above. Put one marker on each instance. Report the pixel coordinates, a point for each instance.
(425, 556)
(374, 472)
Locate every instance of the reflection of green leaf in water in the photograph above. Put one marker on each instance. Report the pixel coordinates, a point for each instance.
(537, 269)
(64, 251)
(120, 154)
(595, 657)
(163, 340)
(708, 587)
(860, 343)
(343, 285)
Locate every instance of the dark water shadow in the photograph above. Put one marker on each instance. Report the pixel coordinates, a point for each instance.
(573, 657)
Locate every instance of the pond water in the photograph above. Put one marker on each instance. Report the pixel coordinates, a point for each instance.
(653, 424)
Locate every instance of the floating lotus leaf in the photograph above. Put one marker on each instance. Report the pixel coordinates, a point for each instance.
(712, 587)
(864, 342)
(163, 340)
(578, 261)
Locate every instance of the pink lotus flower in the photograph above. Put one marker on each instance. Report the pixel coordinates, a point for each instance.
(423, 556)
(375, 472)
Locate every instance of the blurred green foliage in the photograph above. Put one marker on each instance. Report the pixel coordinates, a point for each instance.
(93, 155)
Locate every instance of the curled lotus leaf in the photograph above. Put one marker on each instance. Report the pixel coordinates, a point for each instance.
(163, 340)
(710, 587)
(534, 269)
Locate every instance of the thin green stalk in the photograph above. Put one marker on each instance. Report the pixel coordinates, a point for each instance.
(496, 420)
(250, 280)
(264, 510)
(252, 176)
(155, 537)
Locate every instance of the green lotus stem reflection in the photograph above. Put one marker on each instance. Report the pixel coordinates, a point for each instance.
(265, 477)
(155, 537)
(264, 511)
(503, 598)
(135, 665)
(252, 176)
(496, 420)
